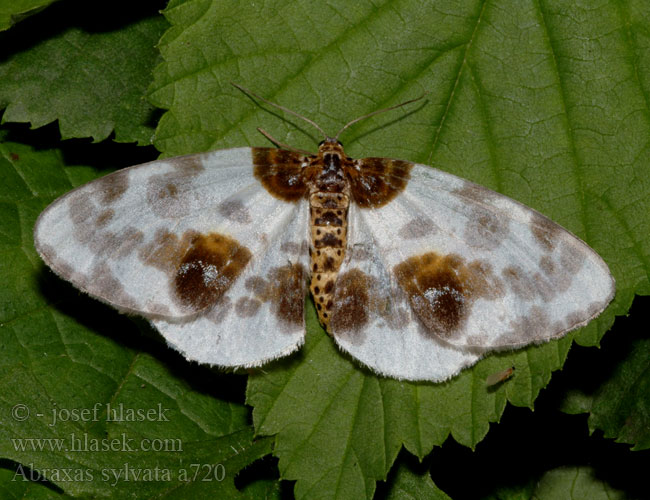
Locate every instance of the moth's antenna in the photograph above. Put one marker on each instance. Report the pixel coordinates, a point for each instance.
(336, 137)
(282, 108)
(281, 144)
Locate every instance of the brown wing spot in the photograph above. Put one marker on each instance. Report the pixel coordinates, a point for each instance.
(209, 266)
(417, 228)
(104, 217)
(519, 282)
(159, 190)
(220, 310)
(112, 187)
(235, 211)
(377, 181)
(290, 290)
(351, 303)
(295, 248)
(256, 284)
(165, 250)
(544, 230)
(280, 172)
(103, 283)
(285, 288)
(117, 245)
(476, 193)
(533, 327)
(80, 208)
(547, 265)
(247, 307)
(572, 258)
(127, 241)
(88, 224)
(169, 194)
(187, 165)
(441, 289)
(530, 285)
(486, 283)
(485, 230)
(163, 195)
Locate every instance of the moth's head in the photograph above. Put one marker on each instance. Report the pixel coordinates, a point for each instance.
(330, 145)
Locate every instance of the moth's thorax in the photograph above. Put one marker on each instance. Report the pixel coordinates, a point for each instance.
(329, 199)
(331, 164)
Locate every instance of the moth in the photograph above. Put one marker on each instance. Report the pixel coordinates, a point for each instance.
(414, 272)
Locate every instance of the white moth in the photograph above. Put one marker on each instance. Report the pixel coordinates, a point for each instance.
(415, 272)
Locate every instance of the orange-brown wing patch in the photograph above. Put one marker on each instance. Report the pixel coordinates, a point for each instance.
(202, 266)
(374, 182)
(280, 172)
(441, 289)
(208, 267)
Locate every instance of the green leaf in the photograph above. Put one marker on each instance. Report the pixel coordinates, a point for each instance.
(410, 486)
(13, 11)
(617, 399)
(621, 407)
(93, 82)
(545, 103)
(17, 487)
(340, 427)
(89, 401)
(575, 483)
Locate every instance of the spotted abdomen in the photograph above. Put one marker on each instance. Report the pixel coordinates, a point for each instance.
(329, 225)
